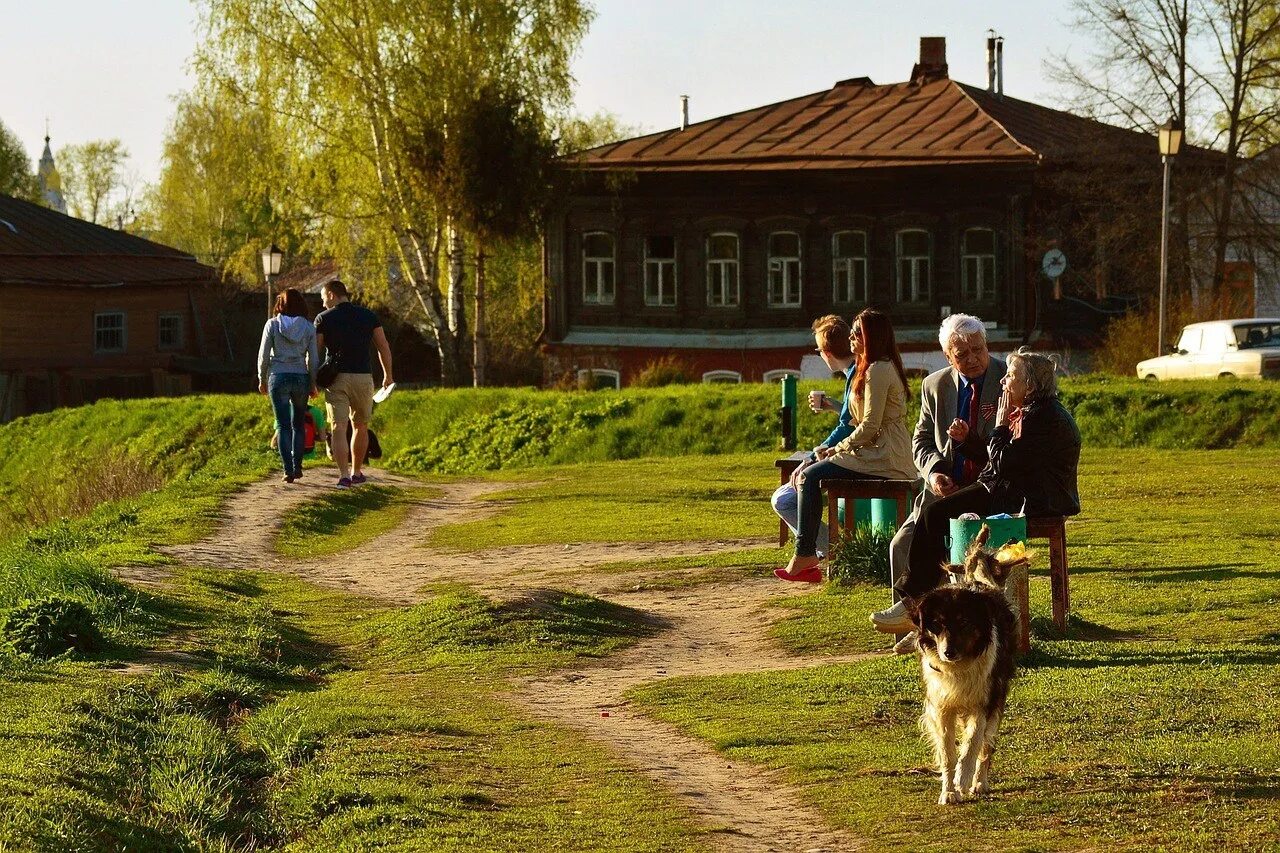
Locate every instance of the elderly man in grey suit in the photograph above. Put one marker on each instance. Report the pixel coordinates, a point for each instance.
(957, 415)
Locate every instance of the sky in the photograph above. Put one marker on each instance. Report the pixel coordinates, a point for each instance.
(102, 69)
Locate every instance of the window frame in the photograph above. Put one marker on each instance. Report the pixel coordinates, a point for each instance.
(851, 263)
(785, 265)
(597, 262)
(778, 374)
(967, 291)
(98, 316)
(657, 263)
(181, 330)
(593, 372)
(712, 377)
(720, 265)
(917, 295)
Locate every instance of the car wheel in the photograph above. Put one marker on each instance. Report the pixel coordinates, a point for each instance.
(1150, 377)
(1226, 376)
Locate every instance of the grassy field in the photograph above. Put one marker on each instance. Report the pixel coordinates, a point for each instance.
(238, 710)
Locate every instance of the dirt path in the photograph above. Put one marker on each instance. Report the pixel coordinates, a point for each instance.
(707, 630)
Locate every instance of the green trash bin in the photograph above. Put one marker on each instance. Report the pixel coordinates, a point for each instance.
(1002, 530)
(874, 512)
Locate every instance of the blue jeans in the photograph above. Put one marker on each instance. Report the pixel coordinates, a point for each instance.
(786, 503)
(288, 393)
(811, 503)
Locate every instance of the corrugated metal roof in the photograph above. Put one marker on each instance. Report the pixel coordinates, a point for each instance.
(43, 246)
(857, 124)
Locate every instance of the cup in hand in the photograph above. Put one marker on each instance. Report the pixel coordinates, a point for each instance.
(817, 400)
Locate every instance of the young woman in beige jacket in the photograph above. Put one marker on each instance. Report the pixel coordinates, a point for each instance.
(879, 446)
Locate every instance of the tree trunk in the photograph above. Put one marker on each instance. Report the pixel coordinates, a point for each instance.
(480, 354)
(457, 304)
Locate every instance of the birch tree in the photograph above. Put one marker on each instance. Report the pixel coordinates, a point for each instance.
(353, 86)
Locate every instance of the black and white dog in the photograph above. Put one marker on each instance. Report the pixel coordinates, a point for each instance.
(966, 637)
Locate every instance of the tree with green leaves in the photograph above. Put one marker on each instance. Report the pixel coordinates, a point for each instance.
(357, 89)
(16, 178)
(95, 182)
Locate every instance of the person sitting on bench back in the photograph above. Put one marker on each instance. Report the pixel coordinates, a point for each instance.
(879, 446)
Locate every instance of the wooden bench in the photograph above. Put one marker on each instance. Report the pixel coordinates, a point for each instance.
(1053, 528)
(901, 491)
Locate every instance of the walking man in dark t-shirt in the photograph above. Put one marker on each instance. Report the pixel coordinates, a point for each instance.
(346, 331)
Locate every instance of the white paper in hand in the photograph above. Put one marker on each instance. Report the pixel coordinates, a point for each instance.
(383, 393)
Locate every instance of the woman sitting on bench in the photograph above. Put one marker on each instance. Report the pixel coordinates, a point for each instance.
(879, 446)
(1034, 450)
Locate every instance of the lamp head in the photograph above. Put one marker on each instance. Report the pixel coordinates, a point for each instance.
(271, 258)
(1170, 135)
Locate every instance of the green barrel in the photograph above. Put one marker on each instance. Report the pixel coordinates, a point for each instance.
(1002, 530)
(883, 513)
(789, 434)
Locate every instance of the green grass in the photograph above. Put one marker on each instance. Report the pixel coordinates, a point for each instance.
(346, 519)
(1152, 727)
(645, 500)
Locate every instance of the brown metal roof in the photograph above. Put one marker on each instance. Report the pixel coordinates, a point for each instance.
(42, 246)
(857, 124)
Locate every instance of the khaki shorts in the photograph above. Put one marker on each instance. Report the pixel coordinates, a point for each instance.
(353, 393)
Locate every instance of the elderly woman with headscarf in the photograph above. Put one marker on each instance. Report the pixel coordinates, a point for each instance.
(1034, 453)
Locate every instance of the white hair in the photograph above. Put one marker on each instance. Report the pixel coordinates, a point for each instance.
(960, 326)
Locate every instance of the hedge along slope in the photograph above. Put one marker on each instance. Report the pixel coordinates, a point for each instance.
(456, 431)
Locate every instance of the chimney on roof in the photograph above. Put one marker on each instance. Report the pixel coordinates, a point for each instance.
(933, 60)
(1000, 66)
(684, 112)
(991, 61)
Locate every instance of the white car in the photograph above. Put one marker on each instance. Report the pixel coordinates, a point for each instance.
(1249, 349)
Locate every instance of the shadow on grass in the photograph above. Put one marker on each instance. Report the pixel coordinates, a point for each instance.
(1043, 627)
(576, 613)
(1183, 574)
(1049, 657)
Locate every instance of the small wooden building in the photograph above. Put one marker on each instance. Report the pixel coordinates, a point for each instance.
(89, 312)
(719, 242)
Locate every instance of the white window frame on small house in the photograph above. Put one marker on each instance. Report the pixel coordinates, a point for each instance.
(104, 325)
(596, 373)
(599, 271)
(724, 279)
(977, 269)
(784, 272)
(178, 329)
(659, 274)
(779, 375)
(722, 377)
(914, 271)
(848, 271)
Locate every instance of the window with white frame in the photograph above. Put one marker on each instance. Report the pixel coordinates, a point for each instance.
(849, 266)
(722, 377)
(597, 378)
(660, 271)
(722, 270)
(784, 269)
(597, 268)
(169, 332)
(109, 331)
(978, 263)
(779, 375)
(914, 252)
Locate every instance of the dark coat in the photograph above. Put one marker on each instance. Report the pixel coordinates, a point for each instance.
(1039, 466)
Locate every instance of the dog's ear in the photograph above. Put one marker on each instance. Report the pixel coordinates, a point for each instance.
(956, 570)
(1000, 571)
(983, 535)
(913, 610)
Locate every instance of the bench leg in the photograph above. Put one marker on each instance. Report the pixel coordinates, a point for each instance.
(835, 531)
(1022, 595)
(1058, 579)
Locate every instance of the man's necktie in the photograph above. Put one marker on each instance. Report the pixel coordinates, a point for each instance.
(971, 469)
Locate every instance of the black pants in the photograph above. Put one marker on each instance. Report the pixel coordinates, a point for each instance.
(928, 548)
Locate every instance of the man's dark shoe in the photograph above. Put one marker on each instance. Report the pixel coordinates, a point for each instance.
(357, 479)
(344, 483)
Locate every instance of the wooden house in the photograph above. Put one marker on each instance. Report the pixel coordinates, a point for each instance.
(89, 312)
(720, 241)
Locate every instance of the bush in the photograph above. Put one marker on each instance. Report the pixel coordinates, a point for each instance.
(50, 626)
(1132, 338)
(861, 556)
(667, 370)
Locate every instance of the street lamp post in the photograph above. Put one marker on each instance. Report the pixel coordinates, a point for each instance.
(271, 258)
(1170, 135)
